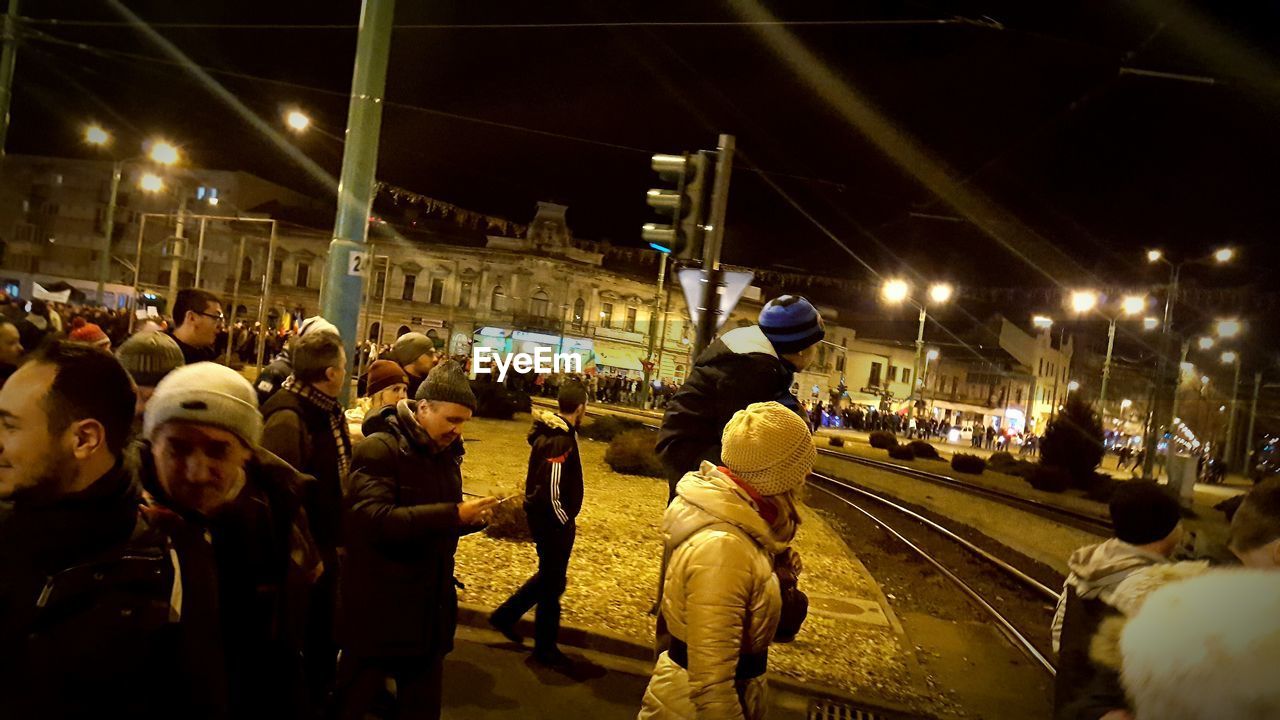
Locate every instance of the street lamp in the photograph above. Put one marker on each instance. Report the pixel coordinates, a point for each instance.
(163, 152)
(940, 292)
(1150, 323)
(1224, 255)
(1073, 386)
(1133, 304)
(1154, 256)
(932, 355)
(297, 121)
(151, 182)
(1125, 404)
(1231, 357)
(1205, 343)
(895, 291)
(1042, 322)
(95, 135)
(1228, 328)
(1082, 301)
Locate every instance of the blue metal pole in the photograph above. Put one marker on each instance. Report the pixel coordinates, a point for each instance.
(340, 303)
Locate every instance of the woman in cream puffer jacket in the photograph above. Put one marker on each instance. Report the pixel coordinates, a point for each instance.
(720, 597)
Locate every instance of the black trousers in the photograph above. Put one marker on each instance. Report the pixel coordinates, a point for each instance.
(555, 544)
(362, 683)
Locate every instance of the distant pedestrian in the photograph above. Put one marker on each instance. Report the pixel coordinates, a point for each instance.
(1148, 528)
(727, 541)
(197, 319)
(386, 385)
(10, 349)
(148, 357)
(751, 364)
(416, 353)
(36, 326)
(92, 335)
(280, 368)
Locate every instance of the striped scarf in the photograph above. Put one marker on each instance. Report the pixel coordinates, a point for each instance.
(337, 419)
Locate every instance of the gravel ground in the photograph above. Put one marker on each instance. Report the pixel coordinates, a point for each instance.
(613, 574)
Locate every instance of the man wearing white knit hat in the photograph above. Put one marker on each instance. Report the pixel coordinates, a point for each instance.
(727, 536)
(228, 502)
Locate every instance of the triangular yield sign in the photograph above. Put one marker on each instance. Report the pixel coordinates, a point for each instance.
(733, 285)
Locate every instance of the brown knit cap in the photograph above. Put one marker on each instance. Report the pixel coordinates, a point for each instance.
(383, 374)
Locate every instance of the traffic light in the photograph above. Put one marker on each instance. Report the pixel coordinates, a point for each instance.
(684, 205)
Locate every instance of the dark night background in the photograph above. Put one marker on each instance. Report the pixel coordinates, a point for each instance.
(1024, 102)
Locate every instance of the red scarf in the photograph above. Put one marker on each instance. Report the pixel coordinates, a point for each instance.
(764, 506)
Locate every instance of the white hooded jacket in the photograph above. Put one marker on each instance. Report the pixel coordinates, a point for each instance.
(720, 596)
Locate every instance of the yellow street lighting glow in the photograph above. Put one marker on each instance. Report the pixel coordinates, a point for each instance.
(95, 135)
(1228, 328)
(1204, 379)
(932, 355)
(1042, 321)
(1224, 255)
(1082, 301)
(297, 120)
(1206, 343)
(151, 182)
(1150, 323)
(1073, 386)
(1126, 404)
(1154, 255)
(163, 152)
(1229, 357)
(895, 291)
(940, 292)
(1133, 304)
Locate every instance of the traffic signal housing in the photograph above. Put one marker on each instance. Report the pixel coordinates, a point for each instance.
(684, 205)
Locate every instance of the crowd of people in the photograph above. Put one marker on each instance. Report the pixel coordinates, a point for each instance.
(178, 542)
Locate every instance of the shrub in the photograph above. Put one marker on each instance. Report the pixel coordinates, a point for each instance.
(901, 452)
(837, 442)
(1049, 478)
(633, 453)
(608, 427)
(509, 521)
(1073, 441)
(923, 450)
(883, 440)
(965, 463)
(1001, 458)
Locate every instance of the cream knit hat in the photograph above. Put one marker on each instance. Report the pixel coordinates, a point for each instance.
(206, 394)
(768, 447)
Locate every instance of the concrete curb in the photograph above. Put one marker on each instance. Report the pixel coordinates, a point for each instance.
(477, 616)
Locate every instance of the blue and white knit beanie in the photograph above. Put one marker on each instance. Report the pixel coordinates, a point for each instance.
(791, 323)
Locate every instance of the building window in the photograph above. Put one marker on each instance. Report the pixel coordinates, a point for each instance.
(380, 284)
(540, 303)
(906, 375)
(955, 383)
(873, 380)
(579, 308)
(277, 271)
(304, 274)
(437, 291)
(1041, 367)
(606, 314)
(162, 277)
(246, 270)
(1018, 396)
(841, 357)
(410, 281)
(631, 319)
(464, 297)
(498, 300)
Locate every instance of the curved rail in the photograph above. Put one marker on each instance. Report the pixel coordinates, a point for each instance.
(1015, 637)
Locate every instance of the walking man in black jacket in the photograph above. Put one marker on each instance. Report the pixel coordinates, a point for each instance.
(553, 497)
(404, 515)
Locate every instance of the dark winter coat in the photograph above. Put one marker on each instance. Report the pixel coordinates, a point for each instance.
(92, 621)
(272, 377)
(299, 433)
(264, 564)
(192, 354)
(396, 589)
(737, 370)
(553, 484)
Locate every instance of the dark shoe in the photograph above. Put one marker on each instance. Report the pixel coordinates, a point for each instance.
(552, 659)
(508, 630)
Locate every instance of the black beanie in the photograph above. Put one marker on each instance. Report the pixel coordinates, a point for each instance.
(1143, 512)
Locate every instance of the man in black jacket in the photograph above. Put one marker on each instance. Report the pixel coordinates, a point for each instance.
(197, 320)
(744, 366)
(92, 622)
(272, 377)
(305, 426)
(399, 604)
(553, 497)
(1148, 529)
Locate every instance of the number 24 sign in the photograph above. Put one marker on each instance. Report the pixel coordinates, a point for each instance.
(358, 264)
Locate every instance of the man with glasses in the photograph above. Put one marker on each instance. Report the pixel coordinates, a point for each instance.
(197, 319)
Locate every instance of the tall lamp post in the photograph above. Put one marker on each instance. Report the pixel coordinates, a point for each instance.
(161, 153)
(1083, 301)
(896, 291)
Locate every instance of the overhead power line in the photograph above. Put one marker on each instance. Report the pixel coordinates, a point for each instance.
(638, 24)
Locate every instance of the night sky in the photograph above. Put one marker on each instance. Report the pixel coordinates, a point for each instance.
(1024, 103)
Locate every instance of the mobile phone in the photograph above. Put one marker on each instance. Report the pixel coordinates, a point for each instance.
(503, 500)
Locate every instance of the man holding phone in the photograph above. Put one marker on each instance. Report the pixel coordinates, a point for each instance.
(553, 497)
(403, 517)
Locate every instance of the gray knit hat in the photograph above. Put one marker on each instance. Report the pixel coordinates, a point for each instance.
(206, 394)
(410, 347)
(149, 356)
(447, 382)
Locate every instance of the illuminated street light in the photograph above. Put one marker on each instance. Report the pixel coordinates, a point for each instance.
(95, 135)
(1188, 367)
(1228, 328)
(1150, 323)
(1133, 304)
(1224, 255)
(1229, 357)
(151, 182)
(895, 291)
(1154, 256)
(163, 152)
(1082, 301)
(932, 355)
(1126, 404)
(1073, 386)
(1206, 343)
(1204, 379)
(297, 121)
(940, 292)
(1041, 321)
